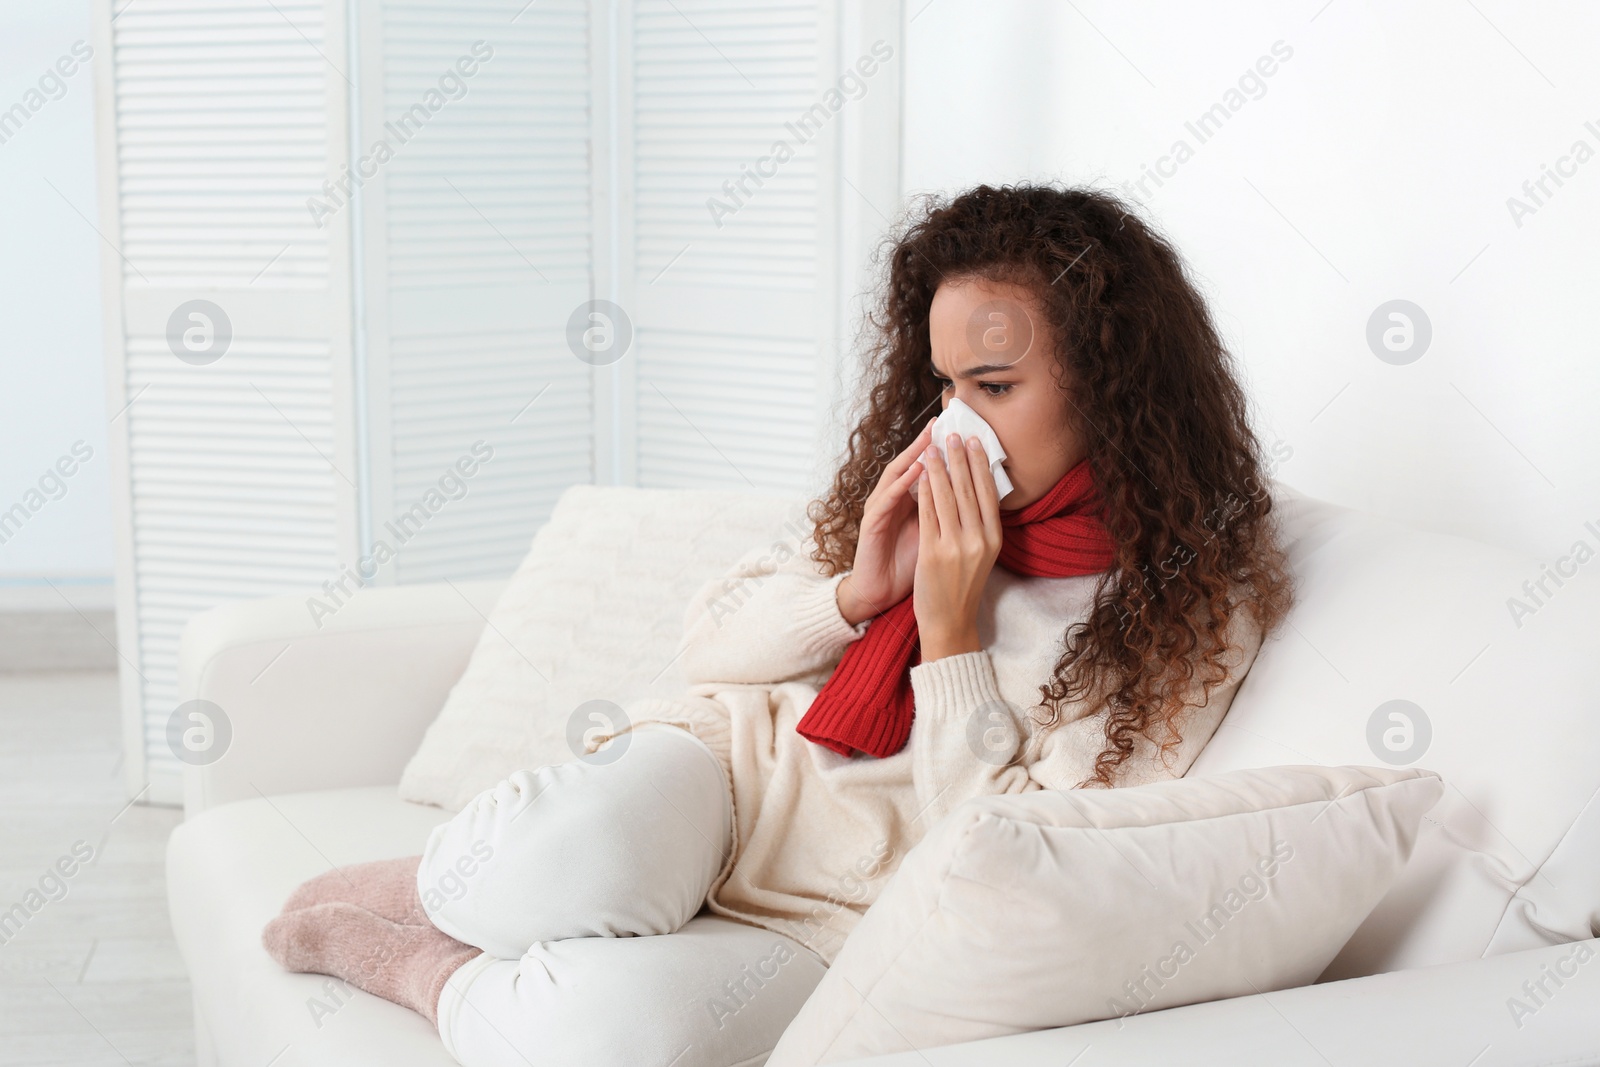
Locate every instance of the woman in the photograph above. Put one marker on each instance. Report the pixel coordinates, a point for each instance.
(848, 692)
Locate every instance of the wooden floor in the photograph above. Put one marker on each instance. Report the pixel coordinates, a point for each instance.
(92, 977)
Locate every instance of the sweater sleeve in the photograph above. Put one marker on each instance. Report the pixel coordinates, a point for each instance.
(773, 617)
(967, 741)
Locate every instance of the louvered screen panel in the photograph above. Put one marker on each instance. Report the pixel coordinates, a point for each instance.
(487, 227)
(451, 391)
(715, 85)
(221, 129)
(230, 501)
(719, 416)
(727, 338)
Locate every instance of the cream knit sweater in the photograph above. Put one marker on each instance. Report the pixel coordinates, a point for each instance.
(817, 835)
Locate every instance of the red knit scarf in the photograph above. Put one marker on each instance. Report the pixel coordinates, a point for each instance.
(867, 702)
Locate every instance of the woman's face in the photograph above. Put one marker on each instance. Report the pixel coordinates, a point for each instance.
(993, 349)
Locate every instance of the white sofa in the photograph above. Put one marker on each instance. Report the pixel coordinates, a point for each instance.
(1501, 895)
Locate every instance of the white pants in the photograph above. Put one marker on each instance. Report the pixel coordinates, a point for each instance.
(581, 882)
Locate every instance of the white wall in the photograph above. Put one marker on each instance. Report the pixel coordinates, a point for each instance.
(52, 391)
(1375, 165)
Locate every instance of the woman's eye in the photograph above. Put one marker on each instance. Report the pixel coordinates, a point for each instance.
(990, 388)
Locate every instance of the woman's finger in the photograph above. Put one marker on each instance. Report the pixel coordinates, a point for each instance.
(988, 492)
(895, 483)
(962, 491)
(982, 474)
(927, 521)
(909, 476)
(944, 504)
(908, 456)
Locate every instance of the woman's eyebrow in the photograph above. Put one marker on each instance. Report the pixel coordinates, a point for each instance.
(973, 372)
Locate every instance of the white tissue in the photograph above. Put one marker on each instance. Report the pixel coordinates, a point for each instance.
(959, 418)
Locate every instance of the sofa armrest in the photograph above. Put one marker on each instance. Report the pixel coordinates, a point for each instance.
(322, 704)
(1523, 1008)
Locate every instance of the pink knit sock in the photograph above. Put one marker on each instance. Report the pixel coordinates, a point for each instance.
(408, 964)
(385, 887)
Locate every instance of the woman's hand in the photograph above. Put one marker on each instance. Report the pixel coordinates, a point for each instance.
(960, 538)
(886, 548)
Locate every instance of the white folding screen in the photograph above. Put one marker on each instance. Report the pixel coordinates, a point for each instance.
(477, 247)
(227, 325)
(725, 264)
(352, 245)
(739, 255)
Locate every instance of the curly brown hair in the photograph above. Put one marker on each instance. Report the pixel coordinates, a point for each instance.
(1181, 474)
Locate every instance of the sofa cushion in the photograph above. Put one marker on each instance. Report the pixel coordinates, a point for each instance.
(1053, 908)
(594, 612)
(1409, 647)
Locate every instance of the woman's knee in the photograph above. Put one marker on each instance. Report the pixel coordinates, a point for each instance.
(578, 849)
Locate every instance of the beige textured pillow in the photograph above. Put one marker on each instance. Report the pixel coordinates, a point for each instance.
(1035, 910)
(593, 613)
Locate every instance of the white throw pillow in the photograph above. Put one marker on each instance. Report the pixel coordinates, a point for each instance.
(1034, 910)
(593, 613)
